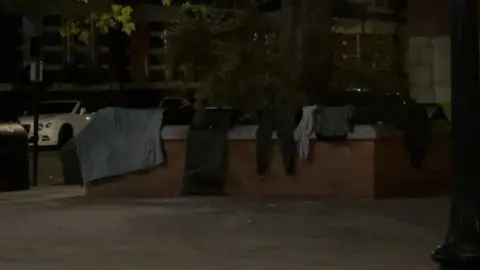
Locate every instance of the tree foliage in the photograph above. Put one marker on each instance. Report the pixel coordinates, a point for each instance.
(234, 53)
(116, 17)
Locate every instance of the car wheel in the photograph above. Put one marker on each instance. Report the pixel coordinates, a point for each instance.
(65, 134)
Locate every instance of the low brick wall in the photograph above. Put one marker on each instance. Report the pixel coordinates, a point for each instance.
(372, 166)
(163, 181)
(395, 177)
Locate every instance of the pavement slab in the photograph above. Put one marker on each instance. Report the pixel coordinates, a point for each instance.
(58, 228)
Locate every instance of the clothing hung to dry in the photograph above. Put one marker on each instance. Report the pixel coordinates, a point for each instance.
(304, 130)
(282, 121)
(119, 141)
(206, 163)
(334, 122)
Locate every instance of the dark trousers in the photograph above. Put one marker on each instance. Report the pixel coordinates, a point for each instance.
(283, 123)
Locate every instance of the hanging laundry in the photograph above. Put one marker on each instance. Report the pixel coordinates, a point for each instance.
(305, 128)
(417, 134)
(206, 163)
(334, 121)
(280, 120)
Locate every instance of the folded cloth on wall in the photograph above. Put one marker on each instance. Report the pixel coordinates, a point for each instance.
(119, 141)
(334, 121)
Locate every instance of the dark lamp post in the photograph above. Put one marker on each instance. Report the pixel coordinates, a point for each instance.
(461, 250)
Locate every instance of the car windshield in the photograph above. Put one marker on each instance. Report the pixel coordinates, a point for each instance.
(56, 107)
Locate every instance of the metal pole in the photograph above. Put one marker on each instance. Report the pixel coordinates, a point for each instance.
(461, 250)
(35, 78)
(36, 89)
(35, 138)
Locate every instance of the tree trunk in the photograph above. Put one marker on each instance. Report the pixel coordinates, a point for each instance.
(305, 45)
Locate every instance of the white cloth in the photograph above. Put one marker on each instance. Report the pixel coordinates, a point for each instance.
(303, 131)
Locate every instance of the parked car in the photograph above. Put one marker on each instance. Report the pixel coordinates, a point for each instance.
(59, 121)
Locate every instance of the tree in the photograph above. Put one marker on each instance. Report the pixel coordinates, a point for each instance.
(306, 43)
(289, 51)
(114, 22)
(236, 53)
(233, 53)
(118, 16)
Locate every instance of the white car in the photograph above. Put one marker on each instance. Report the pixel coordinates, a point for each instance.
(59, 121)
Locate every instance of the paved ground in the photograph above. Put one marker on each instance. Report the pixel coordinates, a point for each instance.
(55, 227)
(49, 168)
(54, 231)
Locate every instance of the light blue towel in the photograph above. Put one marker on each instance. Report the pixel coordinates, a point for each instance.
(118, 141)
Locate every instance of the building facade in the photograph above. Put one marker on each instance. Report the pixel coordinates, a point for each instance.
(358, 35)
(142, 55)
(368, 34)
(373, 34)
(429, 64)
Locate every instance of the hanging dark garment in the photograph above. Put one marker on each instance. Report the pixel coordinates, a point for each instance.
(207, 152)
(435, 111)
(417, 134)
(72, 173)
(283, 122)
